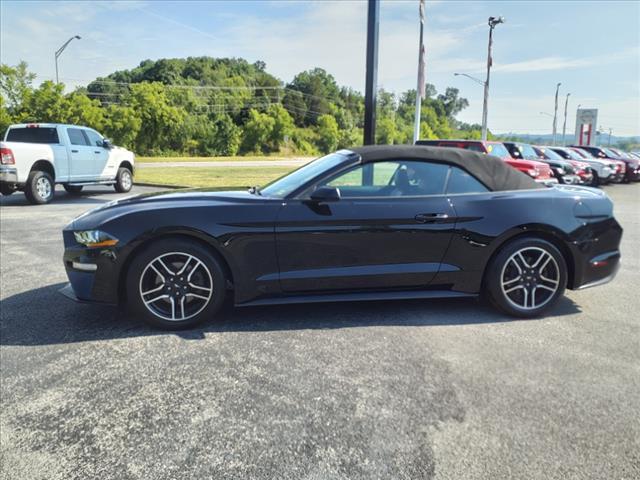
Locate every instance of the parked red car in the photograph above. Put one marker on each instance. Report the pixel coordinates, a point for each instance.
(540, 172)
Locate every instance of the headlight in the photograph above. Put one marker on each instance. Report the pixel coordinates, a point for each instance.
(533, 172)
(95, 238)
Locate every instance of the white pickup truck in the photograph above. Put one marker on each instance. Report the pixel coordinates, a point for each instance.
(35, 157)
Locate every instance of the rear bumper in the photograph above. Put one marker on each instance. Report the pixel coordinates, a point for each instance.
(8, 174)
(600, 270)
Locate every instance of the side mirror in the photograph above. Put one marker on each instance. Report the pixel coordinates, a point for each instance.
(325, 194)
(106, 143)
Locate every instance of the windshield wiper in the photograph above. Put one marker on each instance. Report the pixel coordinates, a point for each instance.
(255, 190)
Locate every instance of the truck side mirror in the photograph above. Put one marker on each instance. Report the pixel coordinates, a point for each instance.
(106, 143)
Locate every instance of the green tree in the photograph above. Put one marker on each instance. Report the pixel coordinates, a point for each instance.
(122, 125)
(319, 90)
(282, 126)
(15, 83)
(328, 133)
(5, 117)
(44, 104)
(81, 110)
(160, 120)
(386, 131)
(257, 131)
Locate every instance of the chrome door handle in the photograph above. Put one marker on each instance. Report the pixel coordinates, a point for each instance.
(431, 217)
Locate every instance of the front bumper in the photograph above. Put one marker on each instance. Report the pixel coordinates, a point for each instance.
(93, 272)
(571, 179)
(547, 181)
(8, 174)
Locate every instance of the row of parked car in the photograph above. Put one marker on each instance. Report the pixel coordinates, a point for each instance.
(573, 165)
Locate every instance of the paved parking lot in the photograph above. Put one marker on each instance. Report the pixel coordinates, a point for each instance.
(388, 390)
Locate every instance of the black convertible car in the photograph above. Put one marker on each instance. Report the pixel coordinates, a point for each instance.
(380, 222)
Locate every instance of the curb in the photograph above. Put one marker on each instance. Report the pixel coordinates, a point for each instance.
(159, 185)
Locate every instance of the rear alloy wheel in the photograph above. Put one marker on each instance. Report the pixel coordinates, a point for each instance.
(527, 277)
(176, 284)
(124, 180)
(39, 188)
(73, 189)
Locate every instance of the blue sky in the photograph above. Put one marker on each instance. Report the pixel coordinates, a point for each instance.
(593, 48)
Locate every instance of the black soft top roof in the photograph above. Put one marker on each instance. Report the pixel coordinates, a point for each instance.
(492, 171)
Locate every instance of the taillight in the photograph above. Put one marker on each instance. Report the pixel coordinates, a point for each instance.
(6, 156)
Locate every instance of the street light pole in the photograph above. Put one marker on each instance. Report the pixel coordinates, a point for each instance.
(555, 114)
(493, 21)
(477, 80)
(60, 50)
(373, 15)
(564, 125)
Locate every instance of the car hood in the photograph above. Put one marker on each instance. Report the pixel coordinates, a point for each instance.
(162, 200)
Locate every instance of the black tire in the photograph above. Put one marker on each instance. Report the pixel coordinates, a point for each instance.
(124, 180)
(39, 188)
(512, 299)
(6, 189)
(175, 288)
(595, 180)
(73, 189)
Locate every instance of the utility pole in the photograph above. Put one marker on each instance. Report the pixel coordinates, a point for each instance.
(564, 125)
(370, 93)
(609, 141)
(493, 21)
(60, 50)
(420, 90)
(555, 114)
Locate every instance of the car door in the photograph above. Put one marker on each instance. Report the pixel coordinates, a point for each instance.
(390, 229)
(81, 155)
(103, 168)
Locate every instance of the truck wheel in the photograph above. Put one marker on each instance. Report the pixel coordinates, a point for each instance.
(124, 180)
(595, 180)
(7, 189)
(39, 188)
(73, 189)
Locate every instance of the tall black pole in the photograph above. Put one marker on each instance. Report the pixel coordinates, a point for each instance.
(371, 88)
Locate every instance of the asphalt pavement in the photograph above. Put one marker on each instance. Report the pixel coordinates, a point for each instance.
(438, 389)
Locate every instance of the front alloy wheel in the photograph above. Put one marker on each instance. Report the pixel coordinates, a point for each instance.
(526, 277)
(176, 286)
(176, 283)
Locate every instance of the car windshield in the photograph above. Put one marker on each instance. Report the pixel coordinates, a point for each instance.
(283, 186)
(550, 154)
(528, 152)
(498, 149)
(611, 153)
(572, 154)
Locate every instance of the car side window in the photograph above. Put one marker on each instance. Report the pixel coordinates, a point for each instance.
(76, 137)
(474, 147)
(95, 140)
(397, 178)
(463, 182)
